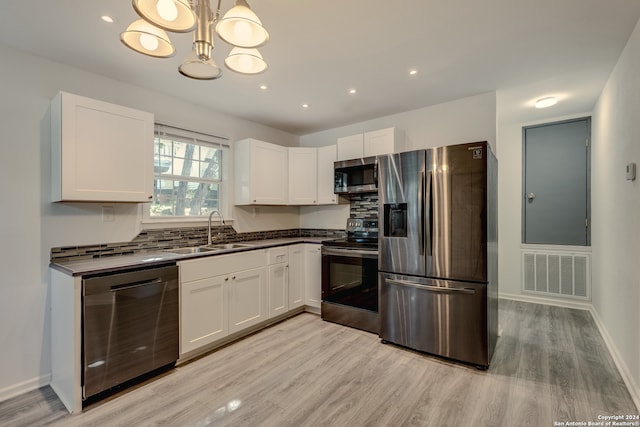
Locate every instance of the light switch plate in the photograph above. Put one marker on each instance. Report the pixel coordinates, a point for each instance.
(631, 172)
(108, 214)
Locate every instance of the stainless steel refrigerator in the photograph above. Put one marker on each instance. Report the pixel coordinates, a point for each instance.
(438, 251)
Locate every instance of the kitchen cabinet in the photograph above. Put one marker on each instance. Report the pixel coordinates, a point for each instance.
(204, 314)
(221, 295)
(261, 173)
(350, 147)
(378, 142)
(247, 299)
(303, 176)
(313, 275)
(100, 151)
(383, 141)
(326, 157)
(278, 281)
(296, 276)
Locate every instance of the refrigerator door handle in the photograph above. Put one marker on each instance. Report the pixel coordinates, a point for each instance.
(421, 236)
(468, 291)
(429, 198)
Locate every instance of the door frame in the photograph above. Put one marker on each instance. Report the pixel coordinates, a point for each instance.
(524, 174)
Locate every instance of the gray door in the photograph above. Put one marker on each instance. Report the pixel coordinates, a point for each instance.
(556, 183)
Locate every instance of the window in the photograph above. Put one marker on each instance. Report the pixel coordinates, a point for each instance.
(189, 173)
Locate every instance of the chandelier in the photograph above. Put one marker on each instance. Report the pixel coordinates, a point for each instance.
(240, 27)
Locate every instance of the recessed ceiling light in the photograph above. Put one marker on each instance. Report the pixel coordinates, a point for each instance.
(546, 102)
(264, 87)
(352, 91)
(305, 106)
(108, 19)
(413, 72)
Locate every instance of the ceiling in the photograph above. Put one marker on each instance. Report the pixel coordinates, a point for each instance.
(320, 49)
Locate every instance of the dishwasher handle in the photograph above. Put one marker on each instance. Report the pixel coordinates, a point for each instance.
(134, 285)
(439, 289)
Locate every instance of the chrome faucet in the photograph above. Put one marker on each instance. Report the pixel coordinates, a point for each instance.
(215, 211)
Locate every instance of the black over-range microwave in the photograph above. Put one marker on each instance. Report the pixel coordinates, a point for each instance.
(356, 176)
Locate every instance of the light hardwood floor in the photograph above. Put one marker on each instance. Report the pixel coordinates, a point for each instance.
(550, 365)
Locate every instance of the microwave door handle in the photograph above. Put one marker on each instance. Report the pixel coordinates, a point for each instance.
(421, 236)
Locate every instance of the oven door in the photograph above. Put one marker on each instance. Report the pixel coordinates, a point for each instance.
(350, 277)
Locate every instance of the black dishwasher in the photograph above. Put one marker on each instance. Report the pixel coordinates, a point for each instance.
(130, 326)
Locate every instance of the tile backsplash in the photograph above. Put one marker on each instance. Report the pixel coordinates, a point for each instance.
(364, 205)
(168, 238)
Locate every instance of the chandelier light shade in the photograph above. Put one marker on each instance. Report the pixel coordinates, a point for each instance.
(171, 15)
(245, 61)
(199, 69)
(241, 27)
(147, 39)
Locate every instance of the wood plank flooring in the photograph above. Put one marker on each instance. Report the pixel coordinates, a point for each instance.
(550, 365)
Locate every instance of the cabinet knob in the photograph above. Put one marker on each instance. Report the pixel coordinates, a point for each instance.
(234, 277)
(226, 279)
(150, 197)
(254, 200)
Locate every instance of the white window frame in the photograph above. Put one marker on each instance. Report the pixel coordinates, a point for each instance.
(198, 138)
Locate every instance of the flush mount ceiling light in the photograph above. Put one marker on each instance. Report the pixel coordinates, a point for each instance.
(546, 102)
(239, 27)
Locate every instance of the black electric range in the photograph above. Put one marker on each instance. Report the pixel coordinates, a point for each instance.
(350, 276)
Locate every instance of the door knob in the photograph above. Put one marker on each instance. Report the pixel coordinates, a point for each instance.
(531, 196)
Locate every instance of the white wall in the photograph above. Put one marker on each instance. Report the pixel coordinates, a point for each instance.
(30, 225)
(465, 120)
(615, 212)
(510, 198)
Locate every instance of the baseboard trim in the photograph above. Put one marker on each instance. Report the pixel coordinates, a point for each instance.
(547, 301)
(628, 379)
(24, 387)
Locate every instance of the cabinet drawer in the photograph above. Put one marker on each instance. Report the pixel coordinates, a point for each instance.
(278, 255)
(197, 269)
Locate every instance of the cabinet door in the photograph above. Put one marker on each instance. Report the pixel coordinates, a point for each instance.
(326, 158)
(203, 313)
(296, 276)
(379, 142)
(313, 275)
(100, 151)
(269, 173)
(350, 147)
(303, 176)
(278, 289)
(247, 299)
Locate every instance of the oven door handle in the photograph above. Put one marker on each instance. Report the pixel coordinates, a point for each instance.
(356, 253)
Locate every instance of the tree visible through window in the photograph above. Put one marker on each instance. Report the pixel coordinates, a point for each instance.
(188, 173)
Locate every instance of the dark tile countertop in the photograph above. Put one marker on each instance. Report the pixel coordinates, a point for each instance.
(158, 258)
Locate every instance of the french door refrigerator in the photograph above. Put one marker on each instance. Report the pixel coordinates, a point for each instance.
(438, 266)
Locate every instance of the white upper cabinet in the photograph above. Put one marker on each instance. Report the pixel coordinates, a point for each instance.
(261, 173)
(303, 176)
(378, 142)
(350, 147)
(99, 151)
(326, 158)
(383, 141)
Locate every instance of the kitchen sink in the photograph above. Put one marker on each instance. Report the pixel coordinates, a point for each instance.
(191, 250)
(228, 246)
(208, 248)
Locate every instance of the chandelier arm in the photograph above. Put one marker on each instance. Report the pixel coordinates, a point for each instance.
(216, 17)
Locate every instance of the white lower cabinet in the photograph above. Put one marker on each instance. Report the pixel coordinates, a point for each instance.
(221, 295)
(247, 299)
(296, 276)
(313, 275)
(278, 281)
(204, 317)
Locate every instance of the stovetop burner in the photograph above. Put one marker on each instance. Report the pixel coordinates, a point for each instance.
(361, 233)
